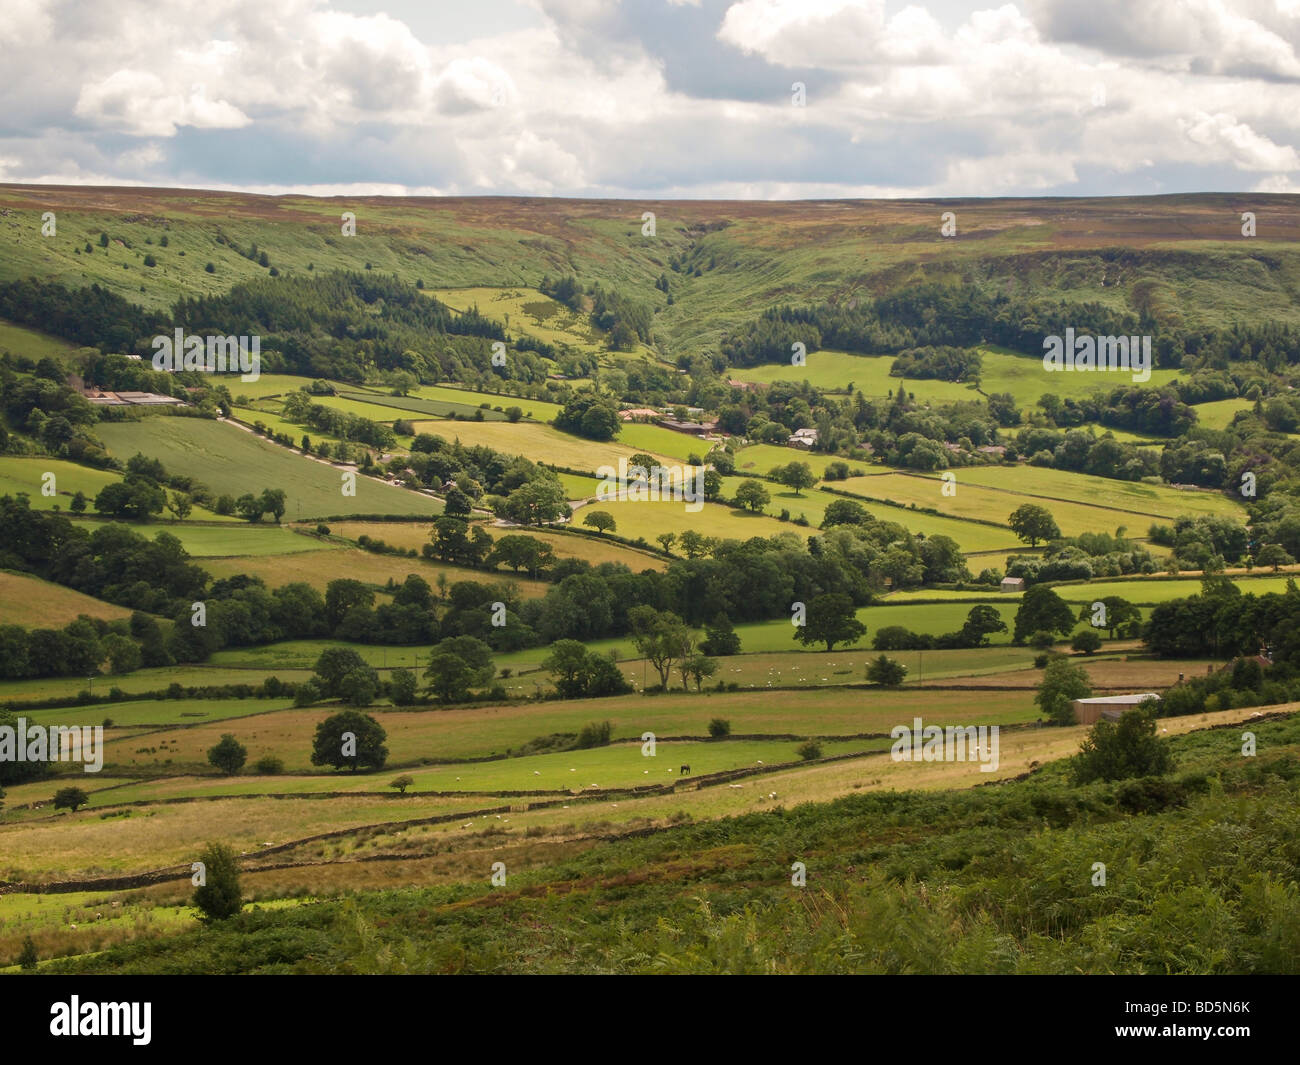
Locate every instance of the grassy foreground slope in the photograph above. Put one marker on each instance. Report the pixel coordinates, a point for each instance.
(990, 880)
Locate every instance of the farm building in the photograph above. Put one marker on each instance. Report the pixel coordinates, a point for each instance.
(690, 428)
(638, 414)
(1090, 711)
(1013, 584)
(803, 438)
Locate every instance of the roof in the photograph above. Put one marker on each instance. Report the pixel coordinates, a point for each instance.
(1013, 580)
(1121, 700)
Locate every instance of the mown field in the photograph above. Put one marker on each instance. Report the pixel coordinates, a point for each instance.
(1037, 482)
(231, 461)
(37, 604)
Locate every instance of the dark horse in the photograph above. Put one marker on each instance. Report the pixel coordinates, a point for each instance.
(684, 769)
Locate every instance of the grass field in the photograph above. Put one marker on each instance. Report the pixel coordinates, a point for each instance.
(761, 458)
(25, 475)
(1219, 413)
(1027, 483)
(231, 461)
(974, 501)
(157, 712)
(20, 340)
(812, 503)
(1004, 371)
(142, 680)
(541, 443)
(318, 568)
(37, 604)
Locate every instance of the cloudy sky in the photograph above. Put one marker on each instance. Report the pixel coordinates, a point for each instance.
(654, 98)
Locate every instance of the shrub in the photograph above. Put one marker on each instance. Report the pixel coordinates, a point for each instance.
(270, 765)
(594, 735)
(27, 958)
(218, 895)
(809, 751)
(719, 727)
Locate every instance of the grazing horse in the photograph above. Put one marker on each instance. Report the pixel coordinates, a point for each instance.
(684, 770)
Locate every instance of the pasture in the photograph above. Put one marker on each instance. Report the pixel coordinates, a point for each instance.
(233, 461)
(1027, 484)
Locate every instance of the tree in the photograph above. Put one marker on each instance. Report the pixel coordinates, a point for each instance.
(449, 677)
(1274, 555)
(694, 544)
(981, 622)
(1118, 615)
(180, 505)
(333, 665)
(358, 687)
(719, 727)
(666, 541)
(401, 783)
(352, 739)
(272, 502)
(250, 507)
(845, 512)
(830, 620)
(456, 503)
(401, 687)
(661, 637)
(78, 504)
(536, 502)
(134, 500)
(600, 520)
(698, 667)
(1042, 610)
(752, 495)
(70, 799)
(1063, 682)
(1086, 641)
(228, 755)
(1117, 750)
(219, 896)
(1032, 523)
(887, 672)
(797, 475)
(567, 664)
(589, 415)
(720, 638)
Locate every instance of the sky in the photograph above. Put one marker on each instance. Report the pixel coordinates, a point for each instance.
(654, 99)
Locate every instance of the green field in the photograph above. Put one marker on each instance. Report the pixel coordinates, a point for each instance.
(20, 340)
(542, 443)
(1219, 414)
(973, 501)
(231, 461)
(1004, 371)
(1026, 483)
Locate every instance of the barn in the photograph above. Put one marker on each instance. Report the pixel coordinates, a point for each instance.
(1090, 711)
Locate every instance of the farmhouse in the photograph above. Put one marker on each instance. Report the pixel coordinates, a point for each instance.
(1013, 584)
(1090, 711)
(638, 414)
(803, 438)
